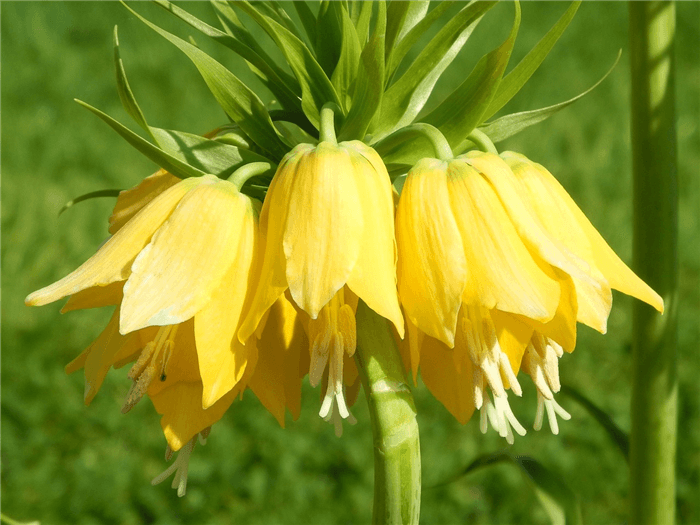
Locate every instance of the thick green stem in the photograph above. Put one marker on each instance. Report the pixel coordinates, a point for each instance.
(654, 382)
(482, 141)
(326, 133)
(250, 170)
(440, 145)
(397, 474)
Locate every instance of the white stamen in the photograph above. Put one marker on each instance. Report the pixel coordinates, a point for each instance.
(508, 419)
(553, 409)
(336, 417)
(179, 467)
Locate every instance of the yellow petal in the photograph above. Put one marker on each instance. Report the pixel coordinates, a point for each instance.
(324, 226)
(562, 327)
(432, 269)
(101, 355)
(617, 273)
(182, 366)
(277, 379)
(513, 337)
(373, 278)
(594, 301)
(272, 280)
(113, 260)
(95, 297)
(222, 357)
(183, 415)
(174, 276)
(501, 272)
(451, 387)
(131, 201)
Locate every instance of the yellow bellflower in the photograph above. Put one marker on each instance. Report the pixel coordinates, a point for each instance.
(179, 251)
(494, 271)
(327, 226)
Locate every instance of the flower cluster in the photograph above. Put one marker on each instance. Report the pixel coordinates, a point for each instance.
(223, 280)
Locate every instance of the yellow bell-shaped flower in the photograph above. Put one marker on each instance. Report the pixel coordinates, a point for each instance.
(328, 230)
(181, 250)
(490, 267)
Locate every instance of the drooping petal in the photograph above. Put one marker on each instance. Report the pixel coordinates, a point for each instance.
(95, 297)
(131, 201)
(174, 276)
(451, 387)
(617, 273)
(513, 336)
(501, 273)
(272, 280)
(594, 302)
(562, 327)
(373, 278)
(183, 415)
(222, 357)
(182, 365)
(100, 356)
(113, 260)
(324, 227)
(432, 269)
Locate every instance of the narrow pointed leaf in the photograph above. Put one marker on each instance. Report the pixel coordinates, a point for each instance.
(406, 97)
(157, 155)
(329, 25)
(235, 98)
(279, 83)
(308, 19)
(209, 156)
(368, 93)
(315, 85)
(396, 14)
(397, 53)
(88, 196)
(125, 93)
(345, 71)
(507, 126)
(517, 78)
(462, 111)
(363, 21)
(619, 436)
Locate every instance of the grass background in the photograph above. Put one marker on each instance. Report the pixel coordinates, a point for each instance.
(64, 463)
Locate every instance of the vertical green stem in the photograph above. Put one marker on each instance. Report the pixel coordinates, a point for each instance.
(397, 474)
(654, 382)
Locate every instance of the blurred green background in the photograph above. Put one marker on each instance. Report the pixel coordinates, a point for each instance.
(64, 463)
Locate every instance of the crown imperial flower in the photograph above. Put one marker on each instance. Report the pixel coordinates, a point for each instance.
(328, 229)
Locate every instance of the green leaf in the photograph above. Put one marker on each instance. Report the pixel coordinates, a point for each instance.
(401, 17)
(208, 156)
(618, 435)
(280, 84)
(370, 82)
(315, 86)
(560, 503)
(88, 196)
(345, 71)
(363, 21)
(517, 78)
(507, 126)
(308, 19)
(328, 42)
(125, 93)
(236, 99)
(164, 160)
(406, 97)
(462, 111)
(397, 53)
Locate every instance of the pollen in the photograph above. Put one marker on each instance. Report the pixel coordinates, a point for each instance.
(151, 364)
